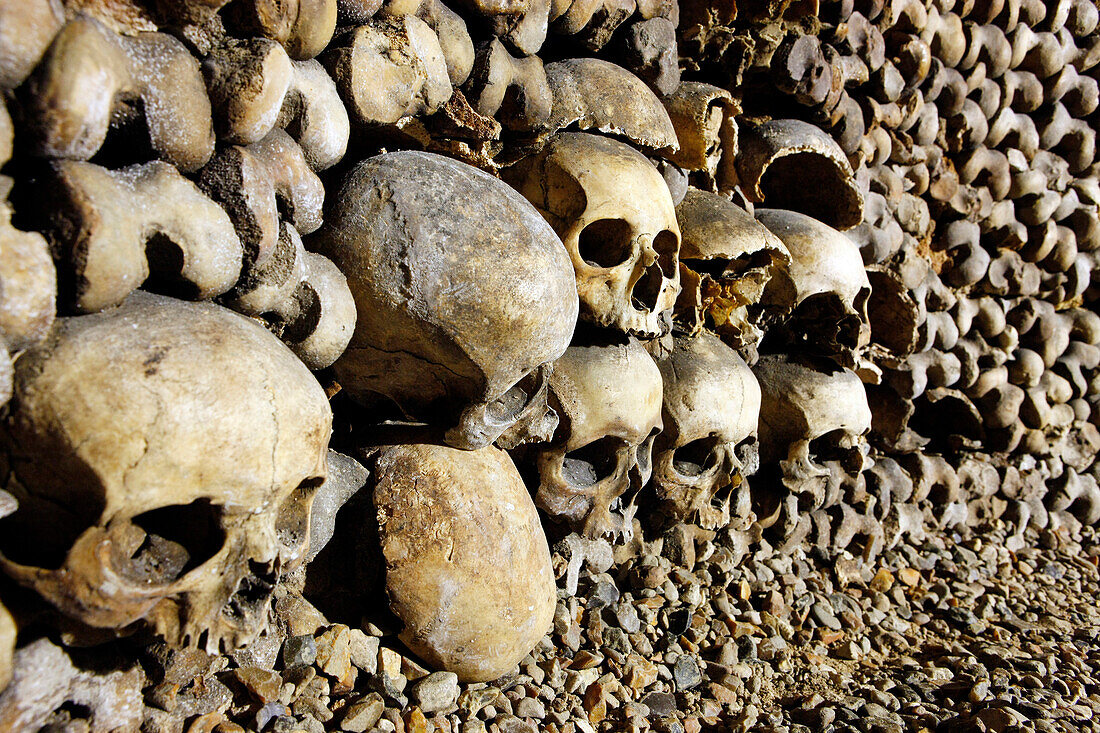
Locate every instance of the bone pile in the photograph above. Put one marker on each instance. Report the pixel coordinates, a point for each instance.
(380, 342)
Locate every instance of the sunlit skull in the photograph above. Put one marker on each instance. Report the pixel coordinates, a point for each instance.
(711, 407)
(727, 259)
(165, 455)
(608, 399)
(813, 421)
(831, 286)
(613, 211)
(466, 295)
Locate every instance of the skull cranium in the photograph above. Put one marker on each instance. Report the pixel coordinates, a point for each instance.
(613, 211)
(608, 399)
(711, 407)
(165, 455)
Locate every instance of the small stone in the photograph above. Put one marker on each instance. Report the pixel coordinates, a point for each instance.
(334, 656)
(995, 719)
(825, 616)
(909, 576)
(363, 714)
(850, 649)
(299, 651)
(603, 594)
(530, 707)
(436, 692)
(660, 704)
(686, 673)
(640, 672)
(585, 659)
(883, 581)
(415, 722)
(364, 650)
(261, 653)
(264, 685)
(595, 704)
(268, 713)
(389, 662)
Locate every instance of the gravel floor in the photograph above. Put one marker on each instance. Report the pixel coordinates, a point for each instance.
(959, 634)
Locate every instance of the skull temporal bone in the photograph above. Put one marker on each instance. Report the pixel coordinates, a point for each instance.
(608, 398)
(613, 211)
(175, 449)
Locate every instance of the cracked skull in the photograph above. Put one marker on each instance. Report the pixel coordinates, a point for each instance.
(615, 215)
(711, 407)
(164, 455)
(467, 295)
(608, 399)
(831, 286)
(728, 262)
(813, 423)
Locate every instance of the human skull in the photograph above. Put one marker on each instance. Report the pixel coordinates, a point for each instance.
(813, 423)
(164, 455)
(727, 262)
(466, 294)
(831, 286)
(608, 399)
(615, 215)
(711, 408)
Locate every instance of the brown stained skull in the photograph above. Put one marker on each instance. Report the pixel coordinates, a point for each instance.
(711, 408)
(831, 287)
(608, 399)
(728, 262)
(613, 211)
(814, 419)
(164, 455)
(466, 297)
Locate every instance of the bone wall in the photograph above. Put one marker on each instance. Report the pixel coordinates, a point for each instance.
(807, 275)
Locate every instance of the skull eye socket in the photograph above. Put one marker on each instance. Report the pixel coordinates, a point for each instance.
(590, 464)
(667, 246)
(606, 243)
(169, 542)
(828, 447)
(696, 458)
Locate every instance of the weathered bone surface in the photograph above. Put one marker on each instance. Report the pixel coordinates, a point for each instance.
(114, 230)
(72, 98)
(613, 211)
(255, 87)
(259, 184)
(599, 96)
(831, 285)
(45, 678)
(26, 29)
(708, 445)
(303, 27)
(28, 288)
(466, 294)
(703, 117)
(513, 88)
(811, 416)
(388, 69)
(302, 297)
(608, 399)
(728, 262)
(188, 497)
(789, 164)
(467, 564)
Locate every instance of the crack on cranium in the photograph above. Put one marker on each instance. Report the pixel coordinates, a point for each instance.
(275, 425)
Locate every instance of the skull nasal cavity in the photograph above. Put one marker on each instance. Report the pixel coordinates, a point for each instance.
(592, 463)
(178, 539)
(606, 243)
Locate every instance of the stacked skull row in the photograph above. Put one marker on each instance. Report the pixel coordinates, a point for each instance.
(562, 260)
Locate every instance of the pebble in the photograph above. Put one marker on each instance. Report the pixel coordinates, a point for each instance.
(363, 714)
(299, 651)
(436, 692)
(686, 673)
